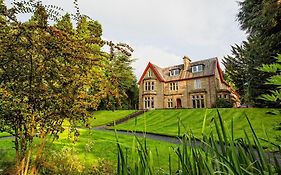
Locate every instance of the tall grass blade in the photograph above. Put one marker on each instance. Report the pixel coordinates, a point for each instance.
(204, 121)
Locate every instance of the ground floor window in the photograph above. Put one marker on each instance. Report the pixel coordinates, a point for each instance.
(198, 101)
(170, 103)
(148, 102)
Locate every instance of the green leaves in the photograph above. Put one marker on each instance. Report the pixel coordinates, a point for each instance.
(274, 95)
(261, 20)
(49, 74)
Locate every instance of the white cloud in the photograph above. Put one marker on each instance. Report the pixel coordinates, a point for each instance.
(145, 54)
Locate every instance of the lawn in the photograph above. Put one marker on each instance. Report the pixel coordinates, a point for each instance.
(93, 146)
(165, 122)
(7, 153)
(103, 117)
(4, 134)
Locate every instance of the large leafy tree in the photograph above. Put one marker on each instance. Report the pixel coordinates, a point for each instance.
(120, 81)
(49, 74)
(261, 20)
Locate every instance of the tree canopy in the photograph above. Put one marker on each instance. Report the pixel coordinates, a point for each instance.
(262, 21)
(52, 73)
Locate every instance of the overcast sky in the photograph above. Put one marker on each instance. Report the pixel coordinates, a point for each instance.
(163, 31)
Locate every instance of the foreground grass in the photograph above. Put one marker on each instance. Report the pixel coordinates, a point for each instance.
(213, 155)
(93, 147)
(166, 122)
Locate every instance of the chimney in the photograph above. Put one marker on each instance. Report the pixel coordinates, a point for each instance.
(186, 61)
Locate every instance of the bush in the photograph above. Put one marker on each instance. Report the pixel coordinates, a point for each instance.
(66, 162)
(223, 103)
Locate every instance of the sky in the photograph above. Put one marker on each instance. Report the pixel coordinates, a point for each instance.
(163, 31)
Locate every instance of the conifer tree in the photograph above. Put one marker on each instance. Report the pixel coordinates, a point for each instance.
(262, 21)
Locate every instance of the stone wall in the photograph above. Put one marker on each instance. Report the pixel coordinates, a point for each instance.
(211, 87)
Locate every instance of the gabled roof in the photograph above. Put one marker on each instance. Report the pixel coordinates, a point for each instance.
(210, 66)
(155, 70)
(162, 74)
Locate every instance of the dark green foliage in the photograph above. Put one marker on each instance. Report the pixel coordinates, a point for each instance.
(66, 162)
(275, 80)
(261, 20)
(121, 80)
(223, 103)
(49, 74)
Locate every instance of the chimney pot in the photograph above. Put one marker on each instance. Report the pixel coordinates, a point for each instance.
(186, 61)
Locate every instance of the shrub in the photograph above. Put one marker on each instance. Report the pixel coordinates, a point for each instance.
(223, 103)
(66, 162)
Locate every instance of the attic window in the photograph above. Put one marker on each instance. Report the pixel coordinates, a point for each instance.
(174, 72)
(197, 68)
(149, 73)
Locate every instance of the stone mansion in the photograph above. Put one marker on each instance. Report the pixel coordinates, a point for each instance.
(190, 85)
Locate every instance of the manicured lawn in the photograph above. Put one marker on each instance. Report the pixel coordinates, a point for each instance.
(166, 122)
(103, 117)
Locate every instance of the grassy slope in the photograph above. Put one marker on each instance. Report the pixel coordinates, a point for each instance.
(103, 117)
(166, 121)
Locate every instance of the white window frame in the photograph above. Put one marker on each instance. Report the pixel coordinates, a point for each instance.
(197, 84)
(149, 74)
(197, 68)
(170, 103)
(174, 86)
(174, 72)
(152, 85)
(148, 103)
(149, 86)
(198, 101)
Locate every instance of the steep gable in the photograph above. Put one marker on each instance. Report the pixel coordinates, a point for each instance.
(209, 68)
(155, 69)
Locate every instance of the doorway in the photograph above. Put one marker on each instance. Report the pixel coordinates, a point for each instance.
(179, 103)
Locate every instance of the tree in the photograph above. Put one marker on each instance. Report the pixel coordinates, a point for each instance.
(49, 74)
(275, 80)
(261, 20)
(120, 81)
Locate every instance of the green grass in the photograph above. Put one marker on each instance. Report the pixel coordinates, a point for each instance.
(212, 155)
(103, 117)
(93, 145)
(166, 122)
(7, 153)
(4, 134)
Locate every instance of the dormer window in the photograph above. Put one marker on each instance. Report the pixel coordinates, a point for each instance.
(197, 68)
(174, 72)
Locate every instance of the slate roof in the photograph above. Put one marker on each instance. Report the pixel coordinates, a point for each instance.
(209, 67)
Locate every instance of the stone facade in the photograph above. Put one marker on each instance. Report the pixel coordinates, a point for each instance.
(189, 85)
